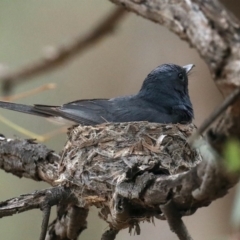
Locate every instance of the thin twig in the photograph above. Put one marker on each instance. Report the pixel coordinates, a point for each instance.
(215, 114)
(40, 138)
(26, 158)
(175, 221)
(110, 234)
(54, 197)
(46, 216)
(22, 203)
(63, 53)
(77, 221)
(48, 86)
(69, 223)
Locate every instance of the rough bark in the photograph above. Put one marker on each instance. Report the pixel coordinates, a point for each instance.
(210, 28)
(128, 170)
(99, 169)
(26, 158)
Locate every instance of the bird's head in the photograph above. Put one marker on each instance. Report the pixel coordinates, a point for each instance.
(167, 82)
(166, 87)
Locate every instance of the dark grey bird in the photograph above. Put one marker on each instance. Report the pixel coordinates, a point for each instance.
(163, 98)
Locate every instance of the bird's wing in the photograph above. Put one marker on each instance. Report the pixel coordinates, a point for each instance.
(87, 112)
(96, 111)
(138, 109)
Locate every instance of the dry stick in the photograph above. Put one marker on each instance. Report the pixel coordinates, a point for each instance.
(48, 86)
(215, 114)
(41, 138)
(63, 53)
(77, 221)
(22, 203)
(46, 216)
(110, 234)
(175, 221)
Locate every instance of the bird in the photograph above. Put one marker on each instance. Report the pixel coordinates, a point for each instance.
(163, 98)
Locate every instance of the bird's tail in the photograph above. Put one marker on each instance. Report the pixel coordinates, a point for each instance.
(22, 108)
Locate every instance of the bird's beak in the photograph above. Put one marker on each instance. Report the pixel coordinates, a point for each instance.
(188, 67)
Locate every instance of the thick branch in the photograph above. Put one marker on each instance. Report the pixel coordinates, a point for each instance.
(189, 20)
(198, 187)
(70, 221)
(61, 54)
(116, 172)
(214, 32)
(188, 191)
(26, 158)
(126, 169)
(175, 222)
(91, 179)
(22, 203)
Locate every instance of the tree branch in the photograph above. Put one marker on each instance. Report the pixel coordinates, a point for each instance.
(63, 53)
(214, 32)
(26, 158)
(128, 170)
(110, 234)
(175, 222)
(22, 203)
(189, 19)
(186, 189)
(222, 108)
(70, 221)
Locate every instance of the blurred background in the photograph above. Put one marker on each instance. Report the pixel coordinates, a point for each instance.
(115, 66)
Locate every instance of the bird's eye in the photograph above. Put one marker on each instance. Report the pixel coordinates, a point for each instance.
(180, 75)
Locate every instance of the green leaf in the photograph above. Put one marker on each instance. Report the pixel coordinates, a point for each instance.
(232, 155)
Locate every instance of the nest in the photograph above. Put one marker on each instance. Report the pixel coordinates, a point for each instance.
(96, 159)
